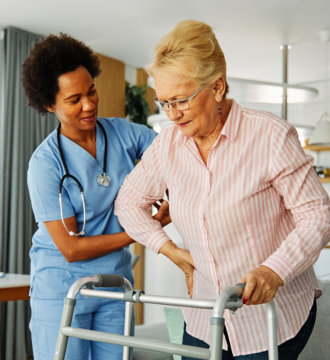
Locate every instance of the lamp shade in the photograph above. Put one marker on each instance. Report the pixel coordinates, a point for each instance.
(321, 133)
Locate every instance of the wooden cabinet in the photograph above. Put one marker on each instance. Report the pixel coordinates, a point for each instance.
(110, 85)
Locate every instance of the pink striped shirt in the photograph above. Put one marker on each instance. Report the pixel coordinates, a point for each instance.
(257, 201)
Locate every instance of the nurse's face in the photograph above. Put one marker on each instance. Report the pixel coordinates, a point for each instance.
(76, 101)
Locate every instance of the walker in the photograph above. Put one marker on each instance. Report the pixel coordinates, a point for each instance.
(230, 299)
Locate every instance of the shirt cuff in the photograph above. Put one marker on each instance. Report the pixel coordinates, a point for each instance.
(157, 241)
(281, 267)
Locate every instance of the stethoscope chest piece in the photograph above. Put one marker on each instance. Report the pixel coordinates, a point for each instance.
(103, 179)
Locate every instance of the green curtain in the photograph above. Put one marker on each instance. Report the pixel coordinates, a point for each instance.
(21, 131)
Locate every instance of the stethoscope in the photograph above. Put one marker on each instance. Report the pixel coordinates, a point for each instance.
(102, 179)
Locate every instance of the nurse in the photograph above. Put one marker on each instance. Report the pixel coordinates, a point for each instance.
(85, 160)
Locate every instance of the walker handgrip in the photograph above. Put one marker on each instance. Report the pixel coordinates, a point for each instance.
(241, 285)
(109, 280)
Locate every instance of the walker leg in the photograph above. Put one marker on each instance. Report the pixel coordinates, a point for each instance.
(272, 331)
(62, 340)
(128, 328)
(217, 326)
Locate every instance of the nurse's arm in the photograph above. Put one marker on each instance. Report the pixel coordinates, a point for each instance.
(78, 248)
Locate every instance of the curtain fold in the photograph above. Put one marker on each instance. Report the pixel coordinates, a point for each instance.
(21, 131)
(2, 243)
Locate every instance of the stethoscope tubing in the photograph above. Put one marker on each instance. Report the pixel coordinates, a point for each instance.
(68, 175)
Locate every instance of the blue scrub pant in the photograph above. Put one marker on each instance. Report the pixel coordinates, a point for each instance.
(96, 314)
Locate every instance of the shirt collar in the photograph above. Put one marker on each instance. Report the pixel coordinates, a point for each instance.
(231, 126)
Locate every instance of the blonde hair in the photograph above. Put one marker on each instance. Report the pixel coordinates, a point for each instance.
(190, 49)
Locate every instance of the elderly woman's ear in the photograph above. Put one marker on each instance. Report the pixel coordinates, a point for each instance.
(219, 88)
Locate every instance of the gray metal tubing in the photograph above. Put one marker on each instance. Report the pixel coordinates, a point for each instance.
(217, 321)
(128, 319)
(221, 302)
(156, 299)
(152, 299)
(102, 294)
(62, 340)
(132, 341)
(272, 331)
(218, 307)
(216, 336)
(78, 284)
(69, 304)
(167, 300)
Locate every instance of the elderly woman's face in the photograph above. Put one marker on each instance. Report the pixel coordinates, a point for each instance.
(200, 119)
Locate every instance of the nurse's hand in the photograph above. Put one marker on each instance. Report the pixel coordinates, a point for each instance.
(181, 258)
(261, 285)
(163, 214)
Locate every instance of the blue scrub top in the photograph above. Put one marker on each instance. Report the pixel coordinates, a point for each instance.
(51, 274)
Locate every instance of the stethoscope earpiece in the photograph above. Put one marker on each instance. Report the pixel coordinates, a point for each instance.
(102, 179)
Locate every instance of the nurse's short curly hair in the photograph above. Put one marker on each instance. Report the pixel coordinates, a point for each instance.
(48, 60)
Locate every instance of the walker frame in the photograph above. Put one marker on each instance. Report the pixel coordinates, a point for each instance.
(230, 299)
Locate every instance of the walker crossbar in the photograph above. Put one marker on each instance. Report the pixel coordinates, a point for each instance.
(229, 298)
(161, 300)
(136, 342)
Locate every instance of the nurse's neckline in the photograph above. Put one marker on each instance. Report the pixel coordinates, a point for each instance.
(88, 144)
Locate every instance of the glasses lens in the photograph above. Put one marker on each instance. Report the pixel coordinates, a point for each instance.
(165, 106)
(162, 105)
(181, 105)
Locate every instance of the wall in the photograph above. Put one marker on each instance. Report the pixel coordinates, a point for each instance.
(110, 85)
(162, 277)
(130, 74)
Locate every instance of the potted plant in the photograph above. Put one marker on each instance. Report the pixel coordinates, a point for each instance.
(136, 106)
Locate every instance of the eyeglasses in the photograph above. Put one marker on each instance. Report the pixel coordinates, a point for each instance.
(180, 105)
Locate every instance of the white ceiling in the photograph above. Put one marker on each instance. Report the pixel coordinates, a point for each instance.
(249, 31)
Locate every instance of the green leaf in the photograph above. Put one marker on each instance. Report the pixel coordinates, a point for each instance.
(136, 106)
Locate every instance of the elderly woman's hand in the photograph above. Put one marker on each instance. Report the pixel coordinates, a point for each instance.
(261, 285)
(181, 258)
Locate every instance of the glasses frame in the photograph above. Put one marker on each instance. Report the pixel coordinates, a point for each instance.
(173, 104)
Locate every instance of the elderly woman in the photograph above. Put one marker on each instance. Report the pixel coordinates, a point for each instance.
(243, 195)
(76, 238)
